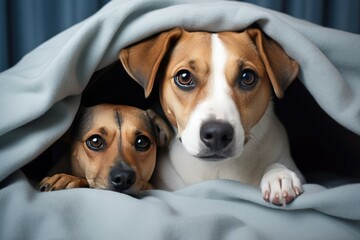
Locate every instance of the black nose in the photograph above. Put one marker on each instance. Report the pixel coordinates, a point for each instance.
(216, 135)
(122, 179)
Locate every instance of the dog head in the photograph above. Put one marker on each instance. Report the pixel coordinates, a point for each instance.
(214, 88)
(114, 146)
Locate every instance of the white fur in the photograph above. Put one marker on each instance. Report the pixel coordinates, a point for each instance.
(218, 104)
(264, 160)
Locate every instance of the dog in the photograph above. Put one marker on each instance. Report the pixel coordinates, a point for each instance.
(113, 147)
(216, 90)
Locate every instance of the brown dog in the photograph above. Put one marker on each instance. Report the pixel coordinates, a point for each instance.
(216, 89)
(112, 147)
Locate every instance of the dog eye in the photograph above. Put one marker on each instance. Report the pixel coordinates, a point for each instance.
(248, 79)
(184, 79)
(95, 143)
(142, 143)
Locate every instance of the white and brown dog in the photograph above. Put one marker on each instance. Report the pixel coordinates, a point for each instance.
(216, 90)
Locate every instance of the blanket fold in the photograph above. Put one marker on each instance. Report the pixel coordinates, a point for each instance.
(217, 209)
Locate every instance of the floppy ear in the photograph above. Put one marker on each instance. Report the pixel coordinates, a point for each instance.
(142, 60)
(164, 133)
(281, 69)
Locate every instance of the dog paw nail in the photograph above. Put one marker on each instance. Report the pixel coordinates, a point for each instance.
(285, 194)
(297, 191)
(42, 188)
(266, 196)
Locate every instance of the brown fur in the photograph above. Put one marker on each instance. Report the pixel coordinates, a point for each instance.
(119, 126)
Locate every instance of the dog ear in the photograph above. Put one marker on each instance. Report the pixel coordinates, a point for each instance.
(281, 69)
(142, 60)
(163, 132)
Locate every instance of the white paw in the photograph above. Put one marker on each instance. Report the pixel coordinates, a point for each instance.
(280, 185)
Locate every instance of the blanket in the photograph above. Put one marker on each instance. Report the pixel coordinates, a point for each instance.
(40, 95)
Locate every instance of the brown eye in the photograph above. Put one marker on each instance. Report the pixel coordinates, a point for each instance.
(248, 79)
(142, 143)
(95, 143)
(184, 79)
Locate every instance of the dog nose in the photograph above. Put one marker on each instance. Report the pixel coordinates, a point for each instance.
(122, 179)
(216, 135)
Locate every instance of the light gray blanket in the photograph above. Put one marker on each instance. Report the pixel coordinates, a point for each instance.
(41, 94)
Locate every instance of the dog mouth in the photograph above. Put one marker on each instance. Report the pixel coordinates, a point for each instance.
(213, 157)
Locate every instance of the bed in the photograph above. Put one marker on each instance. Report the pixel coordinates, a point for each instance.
(40, 96)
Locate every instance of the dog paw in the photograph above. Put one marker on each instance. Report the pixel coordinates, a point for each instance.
(280, 185)
(61, 181)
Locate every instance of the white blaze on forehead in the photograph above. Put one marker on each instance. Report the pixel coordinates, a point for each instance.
(218, 105)
(220, 90)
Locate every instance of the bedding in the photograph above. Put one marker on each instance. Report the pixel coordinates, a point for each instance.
(40, 95)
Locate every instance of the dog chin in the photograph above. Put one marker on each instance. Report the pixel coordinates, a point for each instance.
(95, 185)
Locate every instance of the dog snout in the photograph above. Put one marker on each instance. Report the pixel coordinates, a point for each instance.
(122, 179)
(216, 135)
